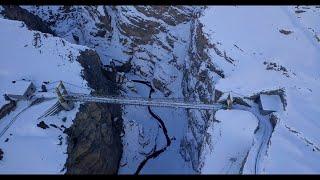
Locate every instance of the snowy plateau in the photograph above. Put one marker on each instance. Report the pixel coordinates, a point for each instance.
(159, 89)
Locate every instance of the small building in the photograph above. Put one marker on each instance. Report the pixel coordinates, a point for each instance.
(20, 90)
(269, 103)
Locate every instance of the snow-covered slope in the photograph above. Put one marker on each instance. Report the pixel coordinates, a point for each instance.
(37, 57)
(232, 138)
(195, 54)
(274, 47)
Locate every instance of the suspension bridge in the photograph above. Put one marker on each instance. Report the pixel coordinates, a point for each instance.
(140, 101)
(66, 101)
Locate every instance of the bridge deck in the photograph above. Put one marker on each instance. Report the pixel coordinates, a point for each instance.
(175, 103)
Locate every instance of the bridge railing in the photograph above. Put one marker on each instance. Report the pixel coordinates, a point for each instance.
(169, 100)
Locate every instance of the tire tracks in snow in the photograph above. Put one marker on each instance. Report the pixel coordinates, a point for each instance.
(13, 120)
(265, 131)
(16, 117)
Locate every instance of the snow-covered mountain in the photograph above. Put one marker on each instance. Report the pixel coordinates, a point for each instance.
(192, 53)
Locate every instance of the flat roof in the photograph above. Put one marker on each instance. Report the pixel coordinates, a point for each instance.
(18, 88)
(270, 102)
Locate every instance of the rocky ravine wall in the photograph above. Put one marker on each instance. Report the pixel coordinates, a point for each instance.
(198, 85)
(94, 142)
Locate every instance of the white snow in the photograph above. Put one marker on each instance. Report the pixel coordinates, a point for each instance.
(270, 102)
(3, 101)
(18, 88)
(30, 149)
(231, 140)
(36, 57)
(101, 10)
(255, 30)
(51, 60)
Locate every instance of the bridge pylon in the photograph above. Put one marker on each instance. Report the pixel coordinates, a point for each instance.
(61, 92)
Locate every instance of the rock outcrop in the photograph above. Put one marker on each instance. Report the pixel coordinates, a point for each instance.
(1, 154)
(198, 85)
(32, 21)
(7, 108)
(94, 143)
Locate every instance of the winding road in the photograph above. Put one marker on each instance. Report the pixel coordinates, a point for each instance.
(262, 137)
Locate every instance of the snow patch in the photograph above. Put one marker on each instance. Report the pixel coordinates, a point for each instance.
(231, 140)
(250, 34)
(270, 102)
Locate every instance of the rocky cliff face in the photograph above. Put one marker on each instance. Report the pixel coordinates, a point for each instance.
(200, 75)
(94, 144)
(32, 21)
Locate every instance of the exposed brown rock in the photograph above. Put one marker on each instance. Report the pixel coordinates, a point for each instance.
(32, 21)
(161, 87)
(94, 142)
(1, 154)
(7, 108)
(42, 125)
(169, 14)
(286, 32)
